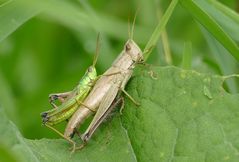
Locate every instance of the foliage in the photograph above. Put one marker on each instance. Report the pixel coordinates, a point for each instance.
(184, 115)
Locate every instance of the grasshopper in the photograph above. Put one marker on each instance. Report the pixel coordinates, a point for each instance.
(71, 100)
(104, 92)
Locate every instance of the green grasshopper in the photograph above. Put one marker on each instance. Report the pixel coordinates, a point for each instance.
(71, 100)
(69, 106)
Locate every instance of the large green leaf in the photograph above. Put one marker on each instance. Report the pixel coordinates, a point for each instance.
(183, 116)
(111, 143)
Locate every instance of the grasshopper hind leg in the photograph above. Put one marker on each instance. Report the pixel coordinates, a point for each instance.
(69, 140)
(81, 137)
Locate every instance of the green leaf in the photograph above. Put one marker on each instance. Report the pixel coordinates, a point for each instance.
(110, 144)
(6, 155)
(6, 97)
(212, 26)
(178, 120)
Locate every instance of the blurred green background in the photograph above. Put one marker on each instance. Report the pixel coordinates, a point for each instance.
(51, 51)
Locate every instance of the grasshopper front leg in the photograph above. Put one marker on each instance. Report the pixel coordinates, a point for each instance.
(58, 96)
(130, 97)
(122, 87)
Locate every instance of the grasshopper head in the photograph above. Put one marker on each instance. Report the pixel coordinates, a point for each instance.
(91, 72)
(134, 51)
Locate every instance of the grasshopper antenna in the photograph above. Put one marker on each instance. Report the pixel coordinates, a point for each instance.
(129, 34)
(132, 29)
(97, 50)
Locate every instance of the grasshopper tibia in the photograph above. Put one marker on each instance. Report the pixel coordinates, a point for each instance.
(130, 97)
(59, 133)
(58, 96)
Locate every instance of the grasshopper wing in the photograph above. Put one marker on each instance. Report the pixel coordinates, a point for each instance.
(104, 109)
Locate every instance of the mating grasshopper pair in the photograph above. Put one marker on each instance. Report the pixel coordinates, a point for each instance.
(102, 98)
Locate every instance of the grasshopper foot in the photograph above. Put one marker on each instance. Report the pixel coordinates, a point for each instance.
(81, 146)
(44, 114)
(130, 97)
(122, 106)
(73, 148)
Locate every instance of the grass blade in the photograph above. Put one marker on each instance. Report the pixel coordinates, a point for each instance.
(228, 22)
(159, 29)
(226, 10)
(12, 15)
(212, 26)
(15, 13)
(226, 62)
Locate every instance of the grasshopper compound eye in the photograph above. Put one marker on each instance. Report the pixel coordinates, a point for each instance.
(133, 50)
(90, 69)
(127, 47)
